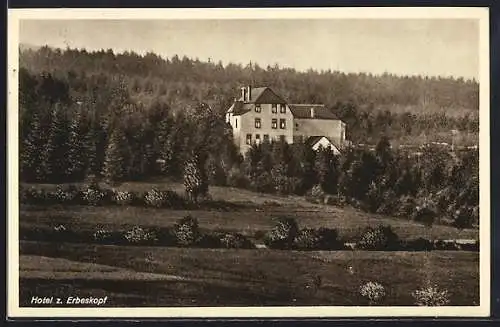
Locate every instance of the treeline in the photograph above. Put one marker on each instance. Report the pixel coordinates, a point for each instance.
(414, 109)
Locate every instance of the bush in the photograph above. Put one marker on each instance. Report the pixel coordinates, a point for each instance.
(122, 197)
(307, 239)
(93, 195)
(155, 198)
(419, 244)
(406, 207)
(158, 199)
(424, 215)
(235, 241)
(283, 234)
(32, 195)
(138, 235)
(372, 291)
(68, 195)
(380, 238)
(431, 296)
(186, 231)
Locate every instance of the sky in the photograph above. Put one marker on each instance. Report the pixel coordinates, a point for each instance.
(432, 47)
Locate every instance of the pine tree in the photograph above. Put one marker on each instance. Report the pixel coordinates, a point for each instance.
(31, 147)
(115, 165)
(195, 178)
(78, 148)
(55, 155)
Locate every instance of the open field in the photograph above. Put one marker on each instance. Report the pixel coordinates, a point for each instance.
(252, 212)
(156, 276)
(205, 277)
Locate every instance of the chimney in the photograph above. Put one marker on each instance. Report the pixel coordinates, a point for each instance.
(312, 112)
(243, 94)
(249, 93)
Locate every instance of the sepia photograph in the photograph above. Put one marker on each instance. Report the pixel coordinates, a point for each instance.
(295, 162)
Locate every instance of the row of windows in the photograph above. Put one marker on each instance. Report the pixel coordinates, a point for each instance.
(274, 123)
(274, 108)
(257, 138)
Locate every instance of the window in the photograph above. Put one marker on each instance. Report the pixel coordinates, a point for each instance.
(274, 123)
(257, 108)
(257, 122)
(274, 108)
(297, 126)
(282, 108)
(257, 138)
(282, 123)
(249, 139)
(266, 137)
(236, 122)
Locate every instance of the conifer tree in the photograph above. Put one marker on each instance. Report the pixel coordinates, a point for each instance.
(31, 147)
(78, 148)
(115, 164)
(195, 178)
(55, 156)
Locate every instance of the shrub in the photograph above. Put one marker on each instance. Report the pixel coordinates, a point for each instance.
(424, 215)
(463, 217)
(158, 199)
(68, 195)
(406, 206)
(186, 231)
(431, 296)
(235, 241)
(307, 239)
(32, 195)
(380, 238)
(317, 239)
(317, 191)
(122, 197)
(139, 235)
(93, 195)
(283, 234)
(372, 291)
(209, 240)
(102, 235)
(419, 244)
(155, 198)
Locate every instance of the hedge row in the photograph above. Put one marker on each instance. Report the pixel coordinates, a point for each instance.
(185, 233)
(95, 195)
(285, 235)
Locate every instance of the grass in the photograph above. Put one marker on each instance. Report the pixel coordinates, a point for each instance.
(248, 221)
(155, 276)
(207, 277)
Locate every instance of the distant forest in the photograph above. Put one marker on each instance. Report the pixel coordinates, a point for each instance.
(410, 109)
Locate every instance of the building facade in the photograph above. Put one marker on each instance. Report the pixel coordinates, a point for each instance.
(260, 114)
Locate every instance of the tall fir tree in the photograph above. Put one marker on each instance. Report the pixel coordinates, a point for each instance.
(31, 152)
(195, 178)
(115, 164)
(55, 156)
(78, 147)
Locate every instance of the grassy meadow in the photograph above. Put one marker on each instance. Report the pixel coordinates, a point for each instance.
(161, 276)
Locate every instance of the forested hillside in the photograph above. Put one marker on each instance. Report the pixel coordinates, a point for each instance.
(409, 109)
(123, 117)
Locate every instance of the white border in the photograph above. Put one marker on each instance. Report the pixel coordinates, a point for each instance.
(14, 15)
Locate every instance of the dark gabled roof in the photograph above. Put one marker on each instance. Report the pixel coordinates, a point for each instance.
(263, 95)
(303, 111)
(313, 140)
